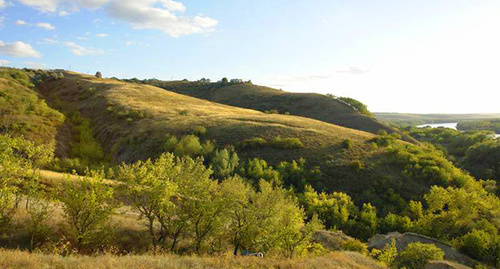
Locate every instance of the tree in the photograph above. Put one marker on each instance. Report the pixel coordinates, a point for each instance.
(225, 81)
(88, 205)
(333, 209)
(150, 189)
(224, 162)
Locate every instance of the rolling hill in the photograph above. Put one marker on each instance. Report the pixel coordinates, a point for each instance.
(247, 95)
(133, 121)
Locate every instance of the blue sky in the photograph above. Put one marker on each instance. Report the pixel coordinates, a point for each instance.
(398, 56)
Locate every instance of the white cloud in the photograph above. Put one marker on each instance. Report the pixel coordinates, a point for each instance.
(164, 15)
(18, 49)
(63, 5)
(102, 35)
(42, 5)
(82, 51)
(2, 4)
(49, 41)
(82, 38)
(145, 15)
(4, 62)
(45, 25)
(21, 23)
(173, 5)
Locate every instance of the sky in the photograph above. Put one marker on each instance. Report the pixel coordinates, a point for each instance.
(427, 56)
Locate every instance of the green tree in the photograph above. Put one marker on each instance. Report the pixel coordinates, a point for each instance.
(224, 162)
(88, 205)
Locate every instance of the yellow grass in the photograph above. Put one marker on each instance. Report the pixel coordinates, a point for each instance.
(10, 259)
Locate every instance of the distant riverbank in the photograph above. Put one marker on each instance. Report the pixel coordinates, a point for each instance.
(451, 125)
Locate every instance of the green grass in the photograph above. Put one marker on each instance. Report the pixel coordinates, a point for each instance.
(340, 260)
(25, 113)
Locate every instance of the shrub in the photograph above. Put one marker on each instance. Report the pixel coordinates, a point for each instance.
(189, 145)
(346, 144)
(477, 244)
(252, 143)
(199, 130)
(184, 112)
(355, 245)
(286, 143)
(417, 255)
(387, 255)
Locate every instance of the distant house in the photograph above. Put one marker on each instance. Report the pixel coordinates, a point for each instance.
(236, 81)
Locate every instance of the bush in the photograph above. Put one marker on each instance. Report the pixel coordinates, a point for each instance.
(387, 255)
(346, 144)
(477, 244)
(355, 245)
(252, 143)
(286, 143)
(417, 255)
(199, 130)
(189, 145)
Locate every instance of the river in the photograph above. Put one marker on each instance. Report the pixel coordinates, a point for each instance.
(451, 125)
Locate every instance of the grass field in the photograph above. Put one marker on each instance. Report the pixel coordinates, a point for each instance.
(13, 259)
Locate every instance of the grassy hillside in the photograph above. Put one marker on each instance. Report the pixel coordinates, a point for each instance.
(131, 120)
(22, 111)
(247, 95)
(135, 121)
(338, 260)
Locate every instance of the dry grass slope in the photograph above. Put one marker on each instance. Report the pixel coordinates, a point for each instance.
(131, 120)
(339, 260)
(310, 105)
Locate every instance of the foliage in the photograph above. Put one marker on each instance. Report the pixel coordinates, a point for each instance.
(475, 125)
(224, 162)
(86, 147)
(355, 245)
(23, 112)
(286, 143)
(252, 143)
(416, 255)
(277, 142)
(187, 146)
(355, 104)
(88, 206)
(387, 255)
(482, 245)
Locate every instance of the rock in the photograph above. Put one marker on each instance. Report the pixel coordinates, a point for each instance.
(330, 240)
(98, 74)
(444, 265)
(403, 240)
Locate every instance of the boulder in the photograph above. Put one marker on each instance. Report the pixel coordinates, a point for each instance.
(403, 240)
(98, 74)
(444, 265)
(330, 240)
